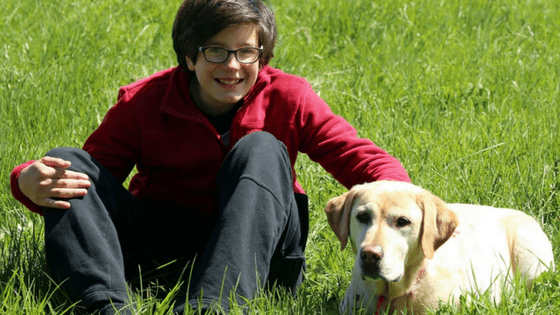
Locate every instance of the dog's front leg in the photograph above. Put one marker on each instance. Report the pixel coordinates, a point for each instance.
(361, 295)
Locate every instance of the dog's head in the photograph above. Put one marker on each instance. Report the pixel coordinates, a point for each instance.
(391, 226)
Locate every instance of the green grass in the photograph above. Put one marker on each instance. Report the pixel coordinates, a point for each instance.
(465, 93)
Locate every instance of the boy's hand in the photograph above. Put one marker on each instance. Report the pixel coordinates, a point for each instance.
(48, 180)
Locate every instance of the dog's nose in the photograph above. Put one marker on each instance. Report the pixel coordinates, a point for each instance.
(371, 253)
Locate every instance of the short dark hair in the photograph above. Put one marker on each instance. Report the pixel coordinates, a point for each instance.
(199, 20)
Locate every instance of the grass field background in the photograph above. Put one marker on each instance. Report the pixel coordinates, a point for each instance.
(465, 93)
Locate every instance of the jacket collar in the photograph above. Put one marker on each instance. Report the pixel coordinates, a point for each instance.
(178, 102)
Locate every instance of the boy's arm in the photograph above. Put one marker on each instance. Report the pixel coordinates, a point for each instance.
(332, 142)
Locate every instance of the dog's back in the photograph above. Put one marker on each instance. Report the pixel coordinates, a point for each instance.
(498, 243)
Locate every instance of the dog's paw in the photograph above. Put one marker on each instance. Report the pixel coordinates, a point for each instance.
(350, 303)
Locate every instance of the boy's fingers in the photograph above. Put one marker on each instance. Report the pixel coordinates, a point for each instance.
(58, 204)
(73, 183)
(66, 174)
(63, 193)
(57, 168)
(67, 193)
(55, 162)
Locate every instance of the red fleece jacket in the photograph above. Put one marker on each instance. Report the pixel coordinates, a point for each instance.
(156, 127)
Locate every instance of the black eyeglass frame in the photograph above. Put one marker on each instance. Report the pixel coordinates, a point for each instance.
(229, 52)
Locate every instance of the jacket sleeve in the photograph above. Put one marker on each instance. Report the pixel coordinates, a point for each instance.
(332, 142)
(16, 192)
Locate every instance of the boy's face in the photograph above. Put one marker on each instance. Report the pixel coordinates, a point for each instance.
(220, 85)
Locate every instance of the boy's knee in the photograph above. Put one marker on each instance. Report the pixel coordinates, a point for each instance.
(262, 143)
(66, 153)
(80, 159)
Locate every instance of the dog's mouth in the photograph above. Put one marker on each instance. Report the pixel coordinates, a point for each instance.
(373, 272)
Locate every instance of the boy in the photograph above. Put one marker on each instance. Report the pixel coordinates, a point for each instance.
(214, 141)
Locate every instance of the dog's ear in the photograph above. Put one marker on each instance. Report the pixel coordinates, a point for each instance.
(338, 214)
(438, 223)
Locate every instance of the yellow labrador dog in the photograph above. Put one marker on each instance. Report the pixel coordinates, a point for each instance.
(413, 250)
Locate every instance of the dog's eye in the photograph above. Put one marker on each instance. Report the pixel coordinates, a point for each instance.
(363, 217)
(402, 222)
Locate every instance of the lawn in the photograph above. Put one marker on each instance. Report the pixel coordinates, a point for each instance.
(465, 93)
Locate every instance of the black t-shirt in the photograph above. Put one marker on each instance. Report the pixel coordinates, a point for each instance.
(223, 122)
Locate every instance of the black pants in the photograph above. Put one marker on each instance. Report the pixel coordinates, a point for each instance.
(258, 237)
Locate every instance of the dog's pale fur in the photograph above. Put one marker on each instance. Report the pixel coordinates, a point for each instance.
(413, 250)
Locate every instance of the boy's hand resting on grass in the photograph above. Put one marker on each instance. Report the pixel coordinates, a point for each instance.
(47, 181)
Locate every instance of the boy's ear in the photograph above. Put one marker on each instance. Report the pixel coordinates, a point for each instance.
(190, 64)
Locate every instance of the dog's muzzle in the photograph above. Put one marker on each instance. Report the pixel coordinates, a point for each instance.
(370, 256)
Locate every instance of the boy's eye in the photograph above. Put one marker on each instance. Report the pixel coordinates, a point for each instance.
(214, 51)
(247, 52)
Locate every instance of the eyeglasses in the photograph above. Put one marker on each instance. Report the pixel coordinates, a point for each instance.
(245, 55)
